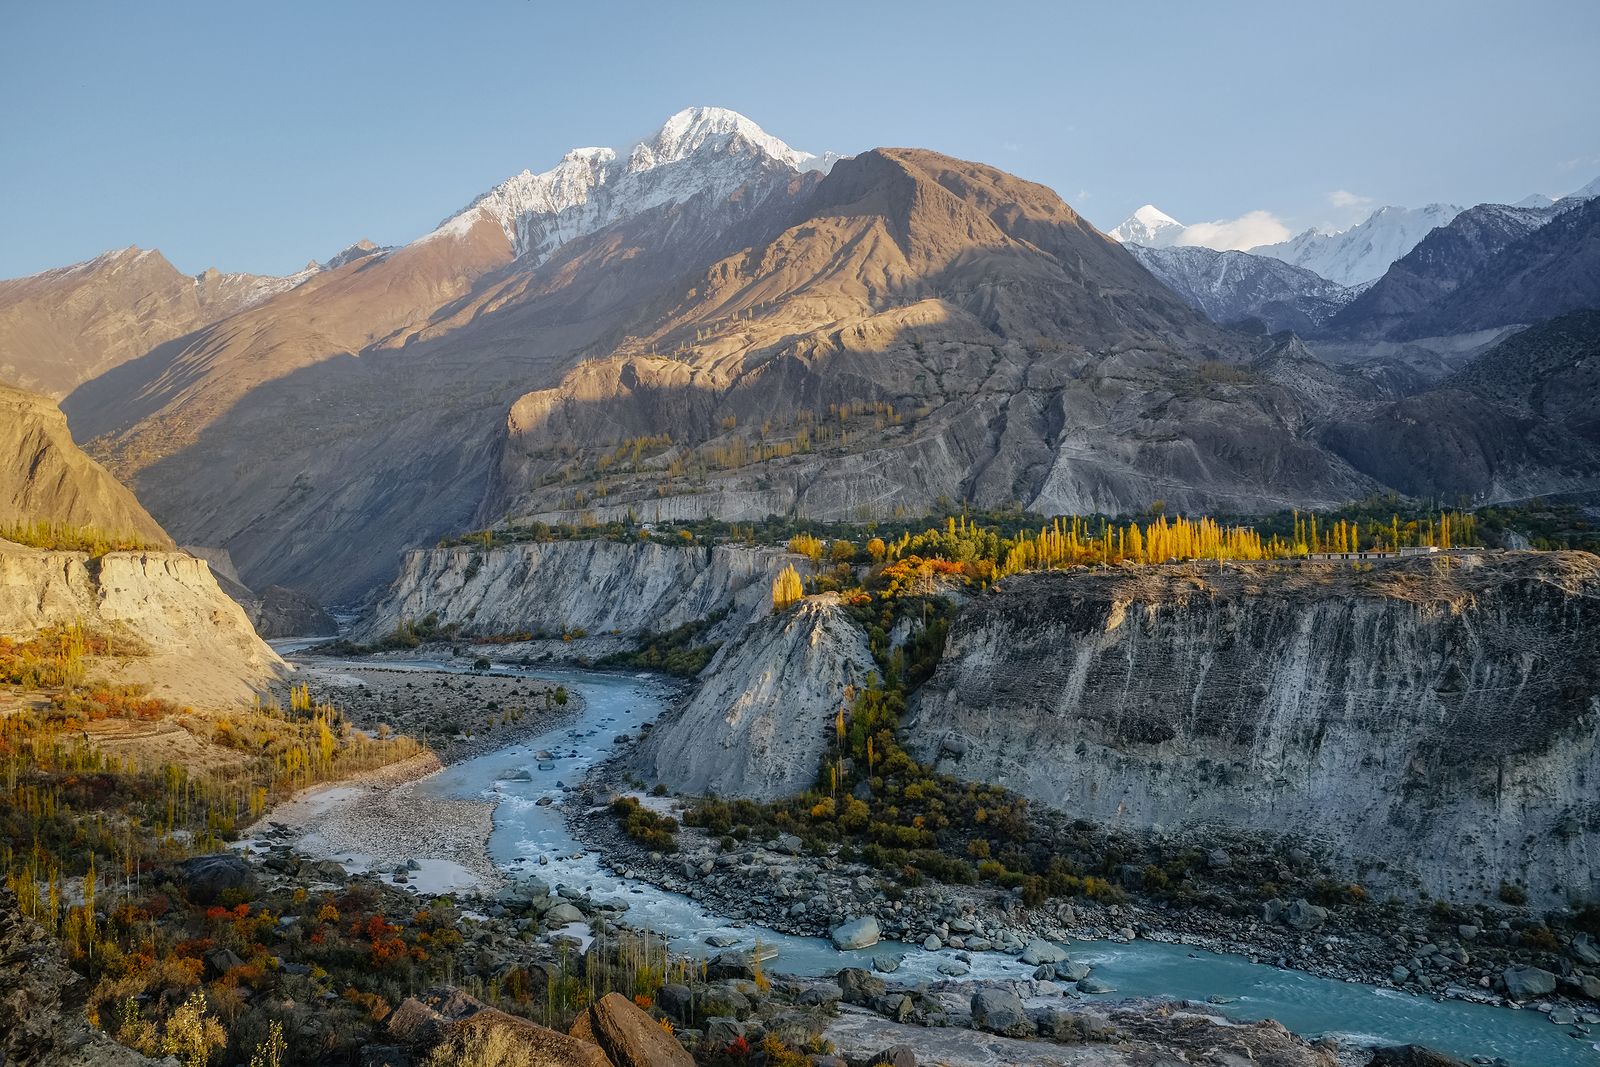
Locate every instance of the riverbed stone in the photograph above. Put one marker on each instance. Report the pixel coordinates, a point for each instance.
(1301, 914)
(860, 932)
(886, 963)
(725, 965)
(677, 1001)
(1523, 982)
(631, 1038)
(860, 987)
(1072, 970)
(206, 878)
(1041, 951)
(932, 943)
(1585, 951)
(954, 969)
(1095, 985)
(562, 914)
(1000, 1011)
(895, 1056)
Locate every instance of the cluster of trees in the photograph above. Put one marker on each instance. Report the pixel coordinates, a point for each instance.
(64, 537)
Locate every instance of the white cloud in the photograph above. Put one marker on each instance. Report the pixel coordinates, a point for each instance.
(1345, 198)
(1247, 231)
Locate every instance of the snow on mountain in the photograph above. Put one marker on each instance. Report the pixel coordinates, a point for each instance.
(1535, 200)
(1588, 192)
(1228, 286)
(1362, 253)
(1149, 226)
(699, 151)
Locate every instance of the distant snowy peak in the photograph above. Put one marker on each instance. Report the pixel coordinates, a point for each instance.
(1362, 253)
(700, 150)
(1149, 226)
(1588, 192)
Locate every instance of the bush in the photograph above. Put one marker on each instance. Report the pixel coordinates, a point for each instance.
(1513, 894)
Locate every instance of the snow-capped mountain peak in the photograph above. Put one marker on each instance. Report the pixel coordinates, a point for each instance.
(1363, 252)
(699, 150)
(1148, 226)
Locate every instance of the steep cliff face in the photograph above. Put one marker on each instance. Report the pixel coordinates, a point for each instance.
(198, 644)
(1438, 717)
(598, 586)
(761, 717)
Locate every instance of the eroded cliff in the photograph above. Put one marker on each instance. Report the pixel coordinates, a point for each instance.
(758, 722)
(1435, 716)
(597, 586)
(194, 643)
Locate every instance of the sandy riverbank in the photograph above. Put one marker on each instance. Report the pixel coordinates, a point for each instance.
(387, 821)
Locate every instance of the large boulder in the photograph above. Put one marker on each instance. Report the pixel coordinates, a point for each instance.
(736, 965)
(1041, 951)
(629, 1037)
(860, 986)
(493, 1037)
(1524, 983)
(1300, 914)
(857, 933)
(206, 878)
(1000, 1011)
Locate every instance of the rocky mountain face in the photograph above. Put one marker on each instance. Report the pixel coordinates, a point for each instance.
(1439, 264)
(758, 721)
(1230, 287)
(1551, 271)
(1517, 421)
(47, 478)
(1364, 252)
(594, 585)
(1434, 718)
(320, 434)
(978, 341)
(60, 328)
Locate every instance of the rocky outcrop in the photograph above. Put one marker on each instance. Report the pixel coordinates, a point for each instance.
(276, 611)
(37, 1028)
(48, 479)
(598, 586)
(761, 718)
(1436, 716)
(193, 643)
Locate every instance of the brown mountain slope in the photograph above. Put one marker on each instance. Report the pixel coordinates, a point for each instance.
(317, 436)
(48, 479)
(63, 327)
(931, 328)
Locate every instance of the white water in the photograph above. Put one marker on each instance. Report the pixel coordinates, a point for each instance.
(1307, 1004)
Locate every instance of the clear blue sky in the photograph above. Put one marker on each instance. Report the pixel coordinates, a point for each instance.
(256, 136)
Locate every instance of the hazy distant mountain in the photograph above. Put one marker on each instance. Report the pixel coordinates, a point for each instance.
(1361, 253)
(1148, 226)
(1548, 272)
(1233, 286)
(1516, 422)
(61, 327)
(1439, 264)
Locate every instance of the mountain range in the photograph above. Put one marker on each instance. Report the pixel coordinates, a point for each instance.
(712, 323)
